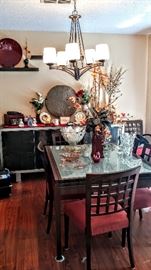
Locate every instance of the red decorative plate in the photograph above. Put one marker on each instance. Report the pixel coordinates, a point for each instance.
(10, 52)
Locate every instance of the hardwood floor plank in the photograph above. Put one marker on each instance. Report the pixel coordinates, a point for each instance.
(24, 244)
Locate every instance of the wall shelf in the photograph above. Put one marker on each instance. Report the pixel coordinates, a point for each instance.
(20, 69)
(36, 57)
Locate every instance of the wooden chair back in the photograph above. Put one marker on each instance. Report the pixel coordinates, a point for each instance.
(105, 192)
(139, 142)
(146, 152)
(134, 126)
(57, 138)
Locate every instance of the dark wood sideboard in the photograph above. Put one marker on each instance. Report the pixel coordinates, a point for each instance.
(18, 148)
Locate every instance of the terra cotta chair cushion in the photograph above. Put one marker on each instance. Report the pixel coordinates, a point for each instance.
(142, 198)
(99, 224)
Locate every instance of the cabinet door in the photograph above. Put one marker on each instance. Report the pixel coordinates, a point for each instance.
(18, 150)
(44, 138)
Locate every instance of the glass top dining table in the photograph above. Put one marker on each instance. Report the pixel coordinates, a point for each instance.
(70, 164)
(74, 162)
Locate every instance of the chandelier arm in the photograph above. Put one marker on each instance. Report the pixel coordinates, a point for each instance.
(76, 72)
(71, 32)
(75, 5)
(75, 29)
(81, 44)
(85, 69)
(88, 67)
(70, 71)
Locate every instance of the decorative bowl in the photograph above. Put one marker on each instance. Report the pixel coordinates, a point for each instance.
(10, 52)
(73, 134)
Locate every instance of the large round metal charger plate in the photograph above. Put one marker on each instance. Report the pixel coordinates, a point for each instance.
(57, 102)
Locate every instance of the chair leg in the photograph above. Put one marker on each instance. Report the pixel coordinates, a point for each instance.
(88, 252)
(50, 214)
(123, 237)
(46, 203)
(130, 247)
(66, 231)
(140, 214)
(109, 234)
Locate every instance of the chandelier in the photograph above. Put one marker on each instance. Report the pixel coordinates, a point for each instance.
(75, 60)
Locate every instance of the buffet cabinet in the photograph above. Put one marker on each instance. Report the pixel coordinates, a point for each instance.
(19, 150)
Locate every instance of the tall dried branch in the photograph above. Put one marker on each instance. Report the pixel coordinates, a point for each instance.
(115, 77)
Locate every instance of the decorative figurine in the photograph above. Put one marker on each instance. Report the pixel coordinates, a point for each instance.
(20, 122)
(30, 121)
(38, 104)
(27, 52)
(34, 123)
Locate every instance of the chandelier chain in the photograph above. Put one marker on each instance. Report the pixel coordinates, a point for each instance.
(75, 6)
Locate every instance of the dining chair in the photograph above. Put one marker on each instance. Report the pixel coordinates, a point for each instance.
(108, 207)
(57, 138)
(49, 193)
(143, 195)
(139, 142)
(146, 152)
(134, 126)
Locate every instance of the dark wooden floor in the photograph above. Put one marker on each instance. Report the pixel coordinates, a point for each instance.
(24, 244)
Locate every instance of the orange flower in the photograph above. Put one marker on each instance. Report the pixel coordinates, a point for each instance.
(72, 99)
(77, 105)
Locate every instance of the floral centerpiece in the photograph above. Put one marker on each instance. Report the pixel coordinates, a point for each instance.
(94, 118)
(99, 115)
(95, 121)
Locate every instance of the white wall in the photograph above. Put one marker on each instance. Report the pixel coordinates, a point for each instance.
(130, 52)
(148, 103)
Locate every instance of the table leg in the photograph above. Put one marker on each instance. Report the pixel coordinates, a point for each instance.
(57, 204)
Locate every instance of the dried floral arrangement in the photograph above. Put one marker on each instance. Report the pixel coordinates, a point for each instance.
(114, 81)
(107, 85)
(110, 82)
(27, 51)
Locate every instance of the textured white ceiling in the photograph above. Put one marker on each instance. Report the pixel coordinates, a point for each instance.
(98, 16)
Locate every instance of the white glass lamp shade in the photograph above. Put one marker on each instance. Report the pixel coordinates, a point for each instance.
(61, 58)
(72, 51)
(49, 55)
(90, 56)
(102, 52)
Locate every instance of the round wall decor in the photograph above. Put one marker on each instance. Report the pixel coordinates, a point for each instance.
(10, 52)
(57, 102)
